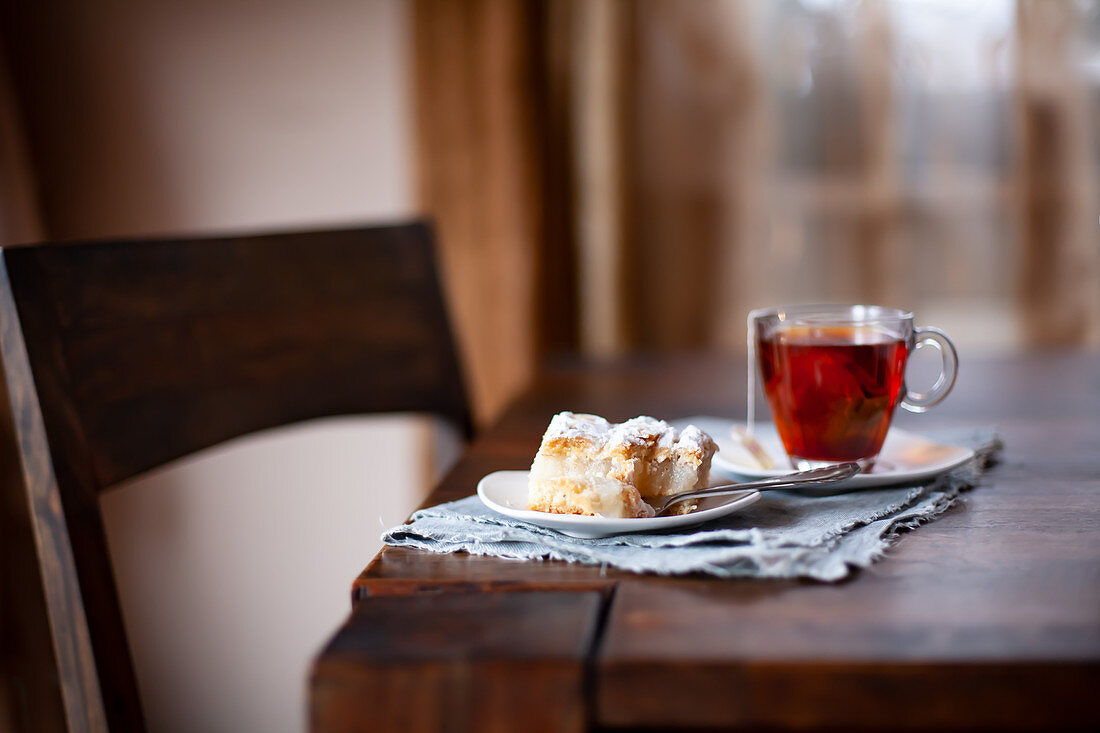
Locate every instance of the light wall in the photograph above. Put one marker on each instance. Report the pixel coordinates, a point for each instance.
(211, 116)
(235, 565)
(166, 116)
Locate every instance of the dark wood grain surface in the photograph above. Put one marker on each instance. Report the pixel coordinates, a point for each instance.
(45, 642)
(988, 617)
(159, 348)
(119, 356)
(490, 658)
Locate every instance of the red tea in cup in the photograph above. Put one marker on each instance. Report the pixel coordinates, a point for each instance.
(833, 376)
(832, 390)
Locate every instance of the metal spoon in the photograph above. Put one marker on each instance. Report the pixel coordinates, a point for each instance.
(815, 476)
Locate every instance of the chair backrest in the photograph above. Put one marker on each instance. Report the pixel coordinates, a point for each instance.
(120, 356)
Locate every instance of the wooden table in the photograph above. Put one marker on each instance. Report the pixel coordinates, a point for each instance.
(987, 618)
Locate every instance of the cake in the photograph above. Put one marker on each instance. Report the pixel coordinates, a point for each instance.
(587, 465)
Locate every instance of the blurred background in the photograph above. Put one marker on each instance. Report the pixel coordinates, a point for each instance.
(606, 177)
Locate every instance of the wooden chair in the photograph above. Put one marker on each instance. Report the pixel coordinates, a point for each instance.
(120, 356)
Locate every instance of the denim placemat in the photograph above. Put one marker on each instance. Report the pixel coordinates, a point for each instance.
(784, 535)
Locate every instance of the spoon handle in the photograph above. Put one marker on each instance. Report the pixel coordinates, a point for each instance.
(814, 477)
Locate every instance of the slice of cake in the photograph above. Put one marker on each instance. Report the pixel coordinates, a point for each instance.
(586, 465)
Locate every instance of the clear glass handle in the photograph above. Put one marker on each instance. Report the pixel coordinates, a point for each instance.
(921, 401)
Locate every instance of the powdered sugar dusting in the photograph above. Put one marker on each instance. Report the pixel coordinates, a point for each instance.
(592, 428)
(643, 430)
(695, 440)
(638, 431)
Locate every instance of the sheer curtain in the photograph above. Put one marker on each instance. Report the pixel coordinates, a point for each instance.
(1056, 171)
(934, 156)
(695, 160)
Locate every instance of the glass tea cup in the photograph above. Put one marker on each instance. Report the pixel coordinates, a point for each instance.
(833, 374)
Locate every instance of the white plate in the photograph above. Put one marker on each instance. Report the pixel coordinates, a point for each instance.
(905, 458)
(505, 492)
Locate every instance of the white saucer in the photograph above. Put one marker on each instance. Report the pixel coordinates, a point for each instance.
(905, 458)
(505, 492)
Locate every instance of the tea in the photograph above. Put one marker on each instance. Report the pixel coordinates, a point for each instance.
(832, 389)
